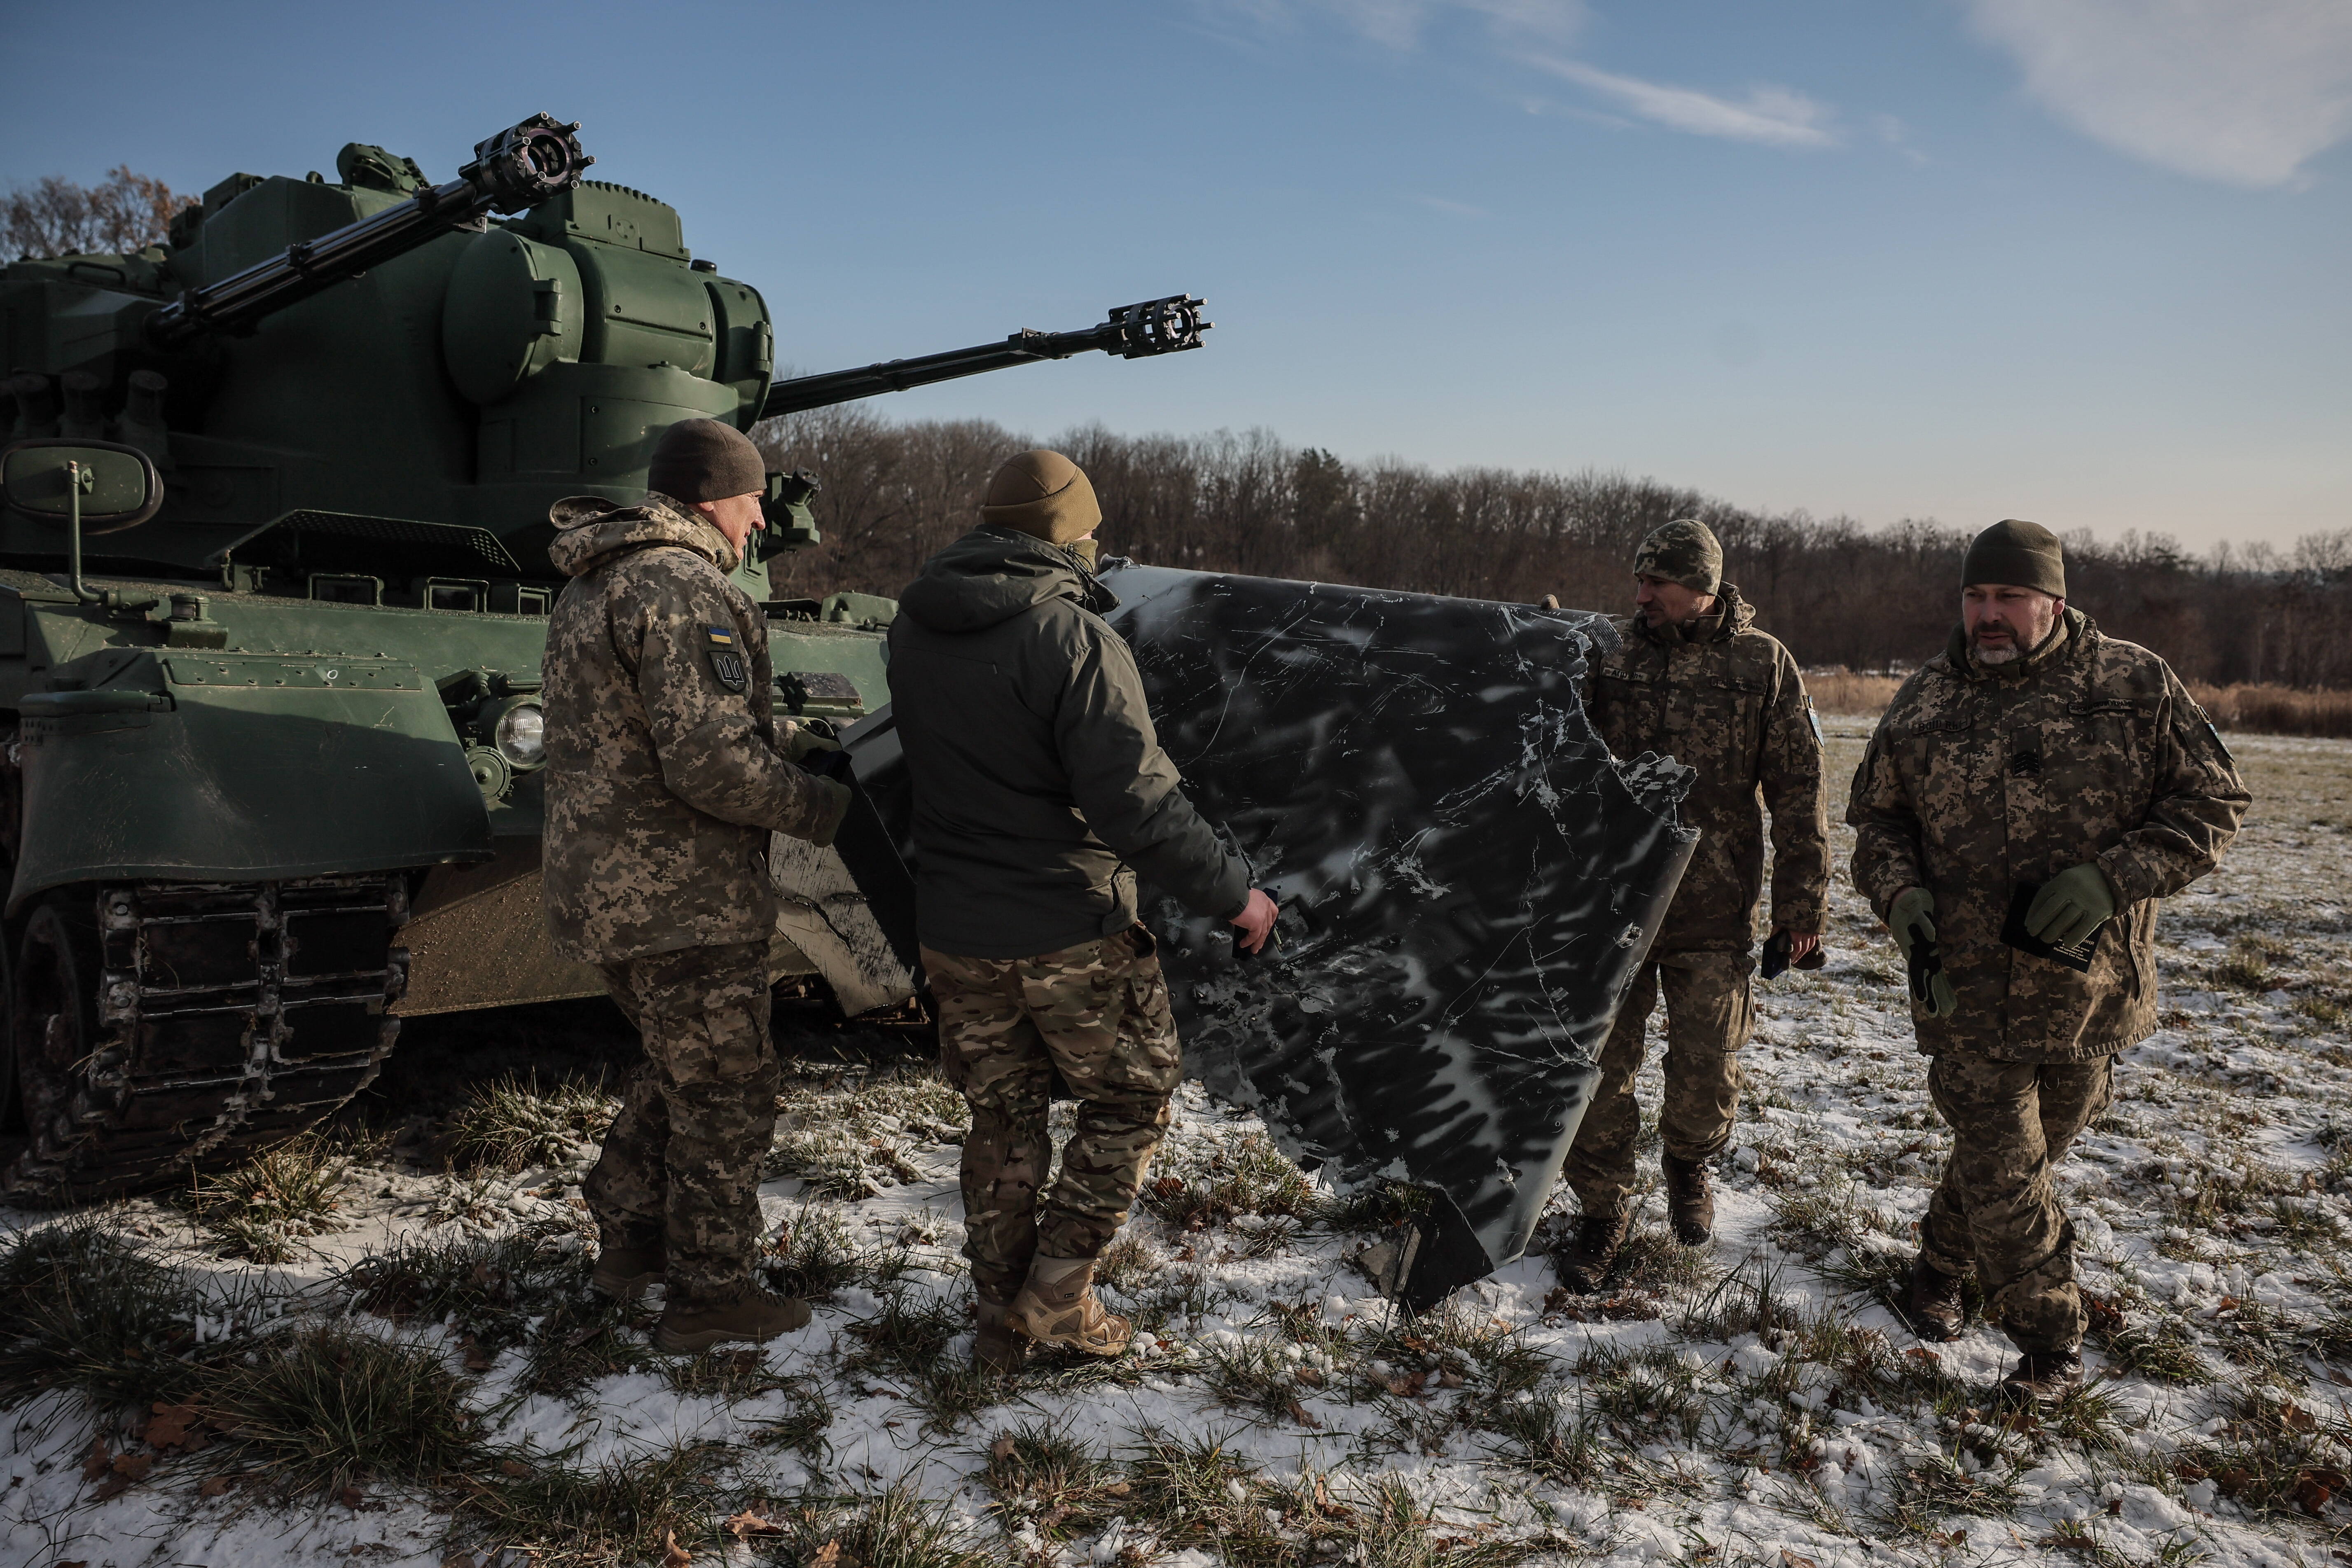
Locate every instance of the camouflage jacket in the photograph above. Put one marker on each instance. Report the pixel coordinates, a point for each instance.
(1983, 778)
(1726, 701)
(1041, 789)
(663, 775)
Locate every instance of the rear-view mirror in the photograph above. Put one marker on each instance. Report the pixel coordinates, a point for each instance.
(118, 486)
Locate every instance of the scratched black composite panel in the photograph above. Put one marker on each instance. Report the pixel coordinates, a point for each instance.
(1467, 878)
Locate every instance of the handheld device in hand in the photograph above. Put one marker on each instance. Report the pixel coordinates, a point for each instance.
(1926, 962)
(2075, 956)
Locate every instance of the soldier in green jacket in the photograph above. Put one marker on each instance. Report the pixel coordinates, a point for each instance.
(1041, 793)
(2036, 767)
(1693, 680)
(664, 778)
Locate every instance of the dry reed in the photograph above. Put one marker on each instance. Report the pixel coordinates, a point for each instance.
(2252, 709)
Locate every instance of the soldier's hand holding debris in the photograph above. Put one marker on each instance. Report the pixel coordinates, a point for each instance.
(1256, 921)
(2071, 906)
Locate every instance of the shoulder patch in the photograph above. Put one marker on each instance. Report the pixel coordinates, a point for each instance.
(726, 663)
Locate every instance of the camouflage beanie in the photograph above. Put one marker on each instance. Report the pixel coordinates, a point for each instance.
(704, 460)
(1043, 493)
(2021, 554)
(1685, 551)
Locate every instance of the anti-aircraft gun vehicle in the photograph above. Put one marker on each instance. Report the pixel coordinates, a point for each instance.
(268, 770)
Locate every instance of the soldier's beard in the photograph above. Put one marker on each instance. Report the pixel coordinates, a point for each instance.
(2004, 654)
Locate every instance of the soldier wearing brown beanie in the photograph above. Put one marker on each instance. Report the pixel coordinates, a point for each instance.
(664, 778)
(1041, 793)
(2028, 798)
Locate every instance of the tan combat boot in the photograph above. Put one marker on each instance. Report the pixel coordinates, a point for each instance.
(689, 1326)
(1056, 1307)
(623, 1270)
(995, 1348)
(1690, 1201)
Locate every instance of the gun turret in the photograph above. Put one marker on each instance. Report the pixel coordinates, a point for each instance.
(513, 171)
(1132, 331)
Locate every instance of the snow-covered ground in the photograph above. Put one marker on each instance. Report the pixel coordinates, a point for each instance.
(1750, 1403)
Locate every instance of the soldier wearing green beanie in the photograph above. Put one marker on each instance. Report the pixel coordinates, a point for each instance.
(1693, 678)
(2029, 797)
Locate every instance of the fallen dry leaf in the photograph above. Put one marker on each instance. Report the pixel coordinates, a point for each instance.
(1791, 1560)
(134, 1467)
(215, 1486)
(352, 1497)
(112, 1487)
(1298, 1413)
(1001, 1448)
(826, 1556)
(168, 1428)
(673, 1554)
(458, 1560)
(749, 1522)
(100, 1460)
(514, 1468)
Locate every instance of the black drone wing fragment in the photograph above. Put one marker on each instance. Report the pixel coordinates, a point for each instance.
(1467, 876)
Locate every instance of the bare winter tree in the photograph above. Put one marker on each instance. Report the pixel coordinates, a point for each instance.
(55, 217)
(1835, 591)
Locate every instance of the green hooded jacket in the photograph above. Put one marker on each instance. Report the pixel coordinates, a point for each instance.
(1039, 779)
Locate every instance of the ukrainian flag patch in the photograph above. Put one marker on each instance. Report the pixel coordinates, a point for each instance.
(726, 663)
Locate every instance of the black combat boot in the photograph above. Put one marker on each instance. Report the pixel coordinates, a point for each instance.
(1690, 1201)
(1583, 1263)
(1931, 1302)
(2043, 1377)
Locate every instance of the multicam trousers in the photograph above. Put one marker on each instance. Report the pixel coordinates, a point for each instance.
(1709, 1015)
(1996, 1207)
(1097, 1014)
(681, 1164)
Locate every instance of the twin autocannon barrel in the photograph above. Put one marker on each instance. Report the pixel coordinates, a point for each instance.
(532, 163)
(513, 171)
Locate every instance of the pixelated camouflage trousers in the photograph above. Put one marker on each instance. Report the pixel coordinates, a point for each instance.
(1710, 1016)
(681, 1163)
(1996, 1207)
(1098, 1014)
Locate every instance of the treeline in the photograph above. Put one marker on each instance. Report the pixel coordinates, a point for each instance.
(1835, 591)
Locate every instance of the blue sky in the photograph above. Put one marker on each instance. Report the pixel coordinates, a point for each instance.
(2085, 261)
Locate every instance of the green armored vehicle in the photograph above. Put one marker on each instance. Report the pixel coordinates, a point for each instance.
(273, 590)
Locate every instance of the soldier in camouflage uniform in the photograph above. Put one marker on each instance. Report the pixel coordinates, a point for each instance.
(2032, 753)
(1040, 792)
(664, 778)
(1694, 678)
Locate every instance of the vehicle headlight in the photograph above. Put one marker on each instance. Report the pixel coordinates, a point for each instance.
(520, 735)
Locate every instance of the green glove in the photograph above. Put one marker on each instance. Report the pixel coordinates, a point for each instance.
(837, 799)
(2072, 906)
(1913, 921)
(804, 743)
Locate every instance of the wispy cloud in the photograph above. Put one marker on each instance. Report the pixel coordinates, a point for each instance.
(2244, 92)
(1777, 116)
(1533, 34)
(1400, 24)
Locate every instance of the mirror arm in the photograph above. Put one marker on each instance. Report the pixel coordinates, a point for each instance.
(73, 537)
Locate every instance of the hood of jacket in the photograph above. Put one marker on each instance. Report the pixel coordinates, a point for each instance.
(2071, 633)
(993, 573)
(590, 531)
(1731, 616)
